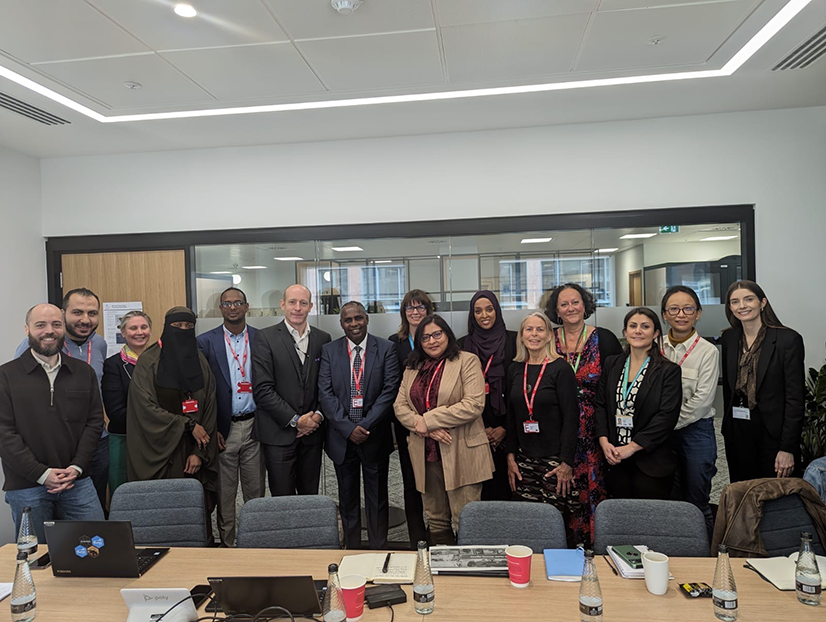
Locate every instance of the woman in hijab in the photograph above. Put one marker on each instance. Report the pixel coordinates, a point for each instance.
(495, 346)
(171, 420)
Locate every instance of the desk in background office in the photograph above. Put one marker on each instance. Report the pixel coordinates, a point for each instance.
(457, 598)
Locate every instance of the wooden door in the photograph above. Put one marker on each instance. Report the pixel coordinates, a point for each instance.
(635, 288)
(156, 278)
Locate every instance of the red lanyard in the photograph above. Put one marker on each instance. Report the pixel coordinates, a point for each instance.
(487, 367)
(357, 378)
(687, 352)
(241, 365)
(529, 403)
(80, 349)
(430, 386)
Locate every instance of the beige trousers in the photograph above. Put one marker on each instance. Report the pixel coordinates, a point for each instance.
(243, 458)
(440, 505)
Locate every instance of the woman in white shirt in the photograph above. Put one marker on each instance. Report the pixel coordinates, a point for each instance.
(693, 438)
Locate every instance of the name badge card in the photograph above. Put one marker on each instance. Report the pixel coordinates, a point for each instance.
(530, 427)
(625, 422)
(358, 402)
(487, 388)
(190, 406)
(244, 387)
(741, 412)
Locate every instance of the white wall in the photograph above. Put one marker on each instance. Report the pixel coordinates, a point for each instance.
(625, 262)
(774, 159)
(24, 262)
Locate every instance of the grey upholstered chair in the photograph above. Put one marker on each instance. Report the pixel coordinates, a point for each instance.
(163, 512)
(536, 525)
(298, 522)
(675, 528)
(783, 521)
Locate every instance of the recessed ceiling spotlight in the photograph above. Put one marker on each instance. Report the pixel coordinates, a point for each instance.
(718, 238)
(345, 7)
(535, 240)
(607, 250)
(185, 10)
(236, 279)
(635, 236)
(288, 258)
(132, 86)
(347, 249)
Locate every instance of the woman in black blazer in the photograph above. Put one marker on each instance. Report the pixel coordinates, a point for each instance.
(637, 406)
(495, 346)
(763, 387)
(136, 328)
(415, 307)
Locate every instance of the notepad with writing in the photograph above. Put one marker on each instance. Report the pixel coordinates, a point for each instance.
(780, 571)
(564, 564)
(400, 569)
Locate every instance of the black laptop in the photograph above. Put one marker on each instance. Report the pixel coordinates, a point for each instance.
(97, 549)
(248, 595)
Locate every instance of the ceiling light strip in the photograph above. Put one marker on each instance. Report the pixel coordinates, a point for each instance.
(46, 92)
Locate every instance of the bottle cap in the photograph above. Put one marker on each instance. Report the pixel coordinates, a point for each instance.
(806, 535)
(422, 544)
(332, 568)
(722, 549)
(27, 509)
(22, 555)
(589, 553)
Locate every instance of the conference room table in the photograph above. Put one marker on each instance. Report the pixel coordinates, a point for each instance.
(62, 599)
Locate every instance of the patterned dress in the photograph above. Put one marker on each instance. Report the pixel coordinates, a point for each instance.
(589, 461)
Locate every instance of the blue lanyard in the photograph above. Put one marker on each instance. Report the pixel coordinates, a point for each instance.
(626, 387)
(410, 339)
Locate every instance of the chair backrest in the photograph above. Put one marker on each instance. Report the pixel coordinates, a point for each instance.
(784, 519)
(675, 528)
(163, 512)
(296, 522)
(536, 525)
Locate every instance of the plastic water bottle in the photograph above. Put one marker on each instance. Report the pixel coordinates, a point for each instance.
(724, 590)
(26, 538)
(23, 595)
(423, 591)
(806, 574)
(590, 594)
(332, 610)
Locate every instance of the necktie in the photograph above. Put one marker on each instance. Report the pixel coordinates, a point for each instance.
(355, 413)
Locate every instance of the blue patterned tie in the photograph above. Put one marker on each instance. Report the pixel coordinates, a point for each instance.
(355, 413)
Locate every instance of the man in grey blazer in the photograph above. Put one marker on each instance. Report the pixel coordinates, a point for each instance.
(288, 422)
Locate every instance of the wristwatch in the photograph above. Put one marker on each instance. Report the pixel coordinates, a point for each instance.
(294, 421)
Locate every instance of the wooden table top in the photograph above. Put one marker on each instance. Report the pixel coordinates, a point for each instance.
(457, 598)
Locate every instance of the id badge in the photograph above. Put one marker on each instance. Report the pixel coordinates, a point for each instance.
(487, 388)
(190, 406)
(625, 422)
(244, 387)
(741, 412)
(531, 427)
(358, 402)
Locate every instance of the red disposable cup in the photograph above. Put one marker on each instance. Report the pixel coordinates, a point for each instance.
(352, 587)
(519, 565)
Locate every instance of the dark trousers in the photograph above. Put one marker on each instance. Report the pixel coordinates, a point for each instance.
(498, 488)
(293, 469)
(626, 481)
(413, 508)
(99, 469)
(696, 449)
(751, 450)
(376, 504)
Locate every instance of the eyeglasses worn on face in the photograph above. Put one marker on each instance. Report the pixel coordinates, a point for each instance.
(675, 311)
(417, 308)
(435, 335)
(227, 304)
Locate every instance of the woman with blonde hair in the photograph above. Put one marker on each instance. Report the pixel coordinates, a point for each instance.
(543, 419)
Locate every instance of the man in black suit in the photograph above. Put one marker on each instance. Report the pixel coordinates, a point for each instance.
(357, 385)
(288, 423)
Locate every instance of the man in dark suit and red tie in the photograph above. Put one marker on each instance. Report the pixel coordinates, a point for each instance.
(357, 385)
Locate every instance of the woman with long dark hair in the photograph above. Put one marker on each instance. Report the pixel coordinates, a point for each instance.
(440, 402)
(763, 387)
(638, 404)
(495, 346)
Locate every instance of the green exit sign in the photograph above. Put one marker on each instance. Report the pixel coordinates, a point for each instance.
(670, 229)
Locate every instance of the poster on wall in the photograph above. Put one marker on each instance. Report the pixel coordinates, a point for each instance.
(112, 314)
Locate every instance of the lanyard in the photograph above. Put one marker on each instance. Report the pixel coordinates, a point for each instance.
(357, 378)
(241, 365)
(430, 386)
(529, 403)
(687, 352)
(410, 339)
(80, 350)
(487, 367)
(578, 341)
(626, 387)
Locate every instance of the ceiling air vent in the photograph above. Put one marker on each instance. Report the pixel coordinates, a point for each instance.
(805, 54)
(27, 110)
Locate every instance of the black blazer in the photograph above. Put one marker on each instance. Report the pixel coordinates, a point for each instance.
(657, 410)
(114, 386)
(282, 386)
(781, 384)
(403, 350)
(490, 419)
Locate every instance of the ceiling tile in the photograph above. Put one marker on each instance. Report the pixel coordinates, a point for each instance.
(380, 61)
(460, 12)
(219, 22)
(102, 79)
(619, 39)
(311, 19)
(243, 72)
(515, 49)
(48, 31)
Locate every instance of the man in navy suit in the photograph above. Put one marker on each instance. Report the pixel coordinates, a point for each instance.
(228, 349)
(357, 385)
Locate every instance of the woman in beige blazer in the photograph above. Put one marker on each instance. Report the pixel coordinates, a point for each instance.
(440, 401)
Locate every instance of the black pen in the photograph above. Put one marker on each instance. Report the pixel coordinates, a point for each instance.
(386, 563)
(610, 565)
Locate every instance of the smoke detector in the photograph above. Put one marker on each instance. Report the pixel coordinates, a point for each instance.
(345, 7)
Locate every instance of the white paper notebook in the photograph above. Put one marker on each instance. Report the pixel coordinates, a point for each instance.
(400, 569)
(779, 571)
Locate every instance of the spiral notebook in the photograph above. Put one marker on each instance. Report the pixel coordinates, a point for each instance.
(564, 564)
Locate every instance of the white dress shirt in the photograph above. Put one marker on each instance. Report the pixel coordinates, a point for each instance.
(302, 342)
(700, 372)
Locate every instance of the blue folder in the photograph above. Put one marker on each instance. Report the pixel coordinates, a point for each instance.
(564, 564)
